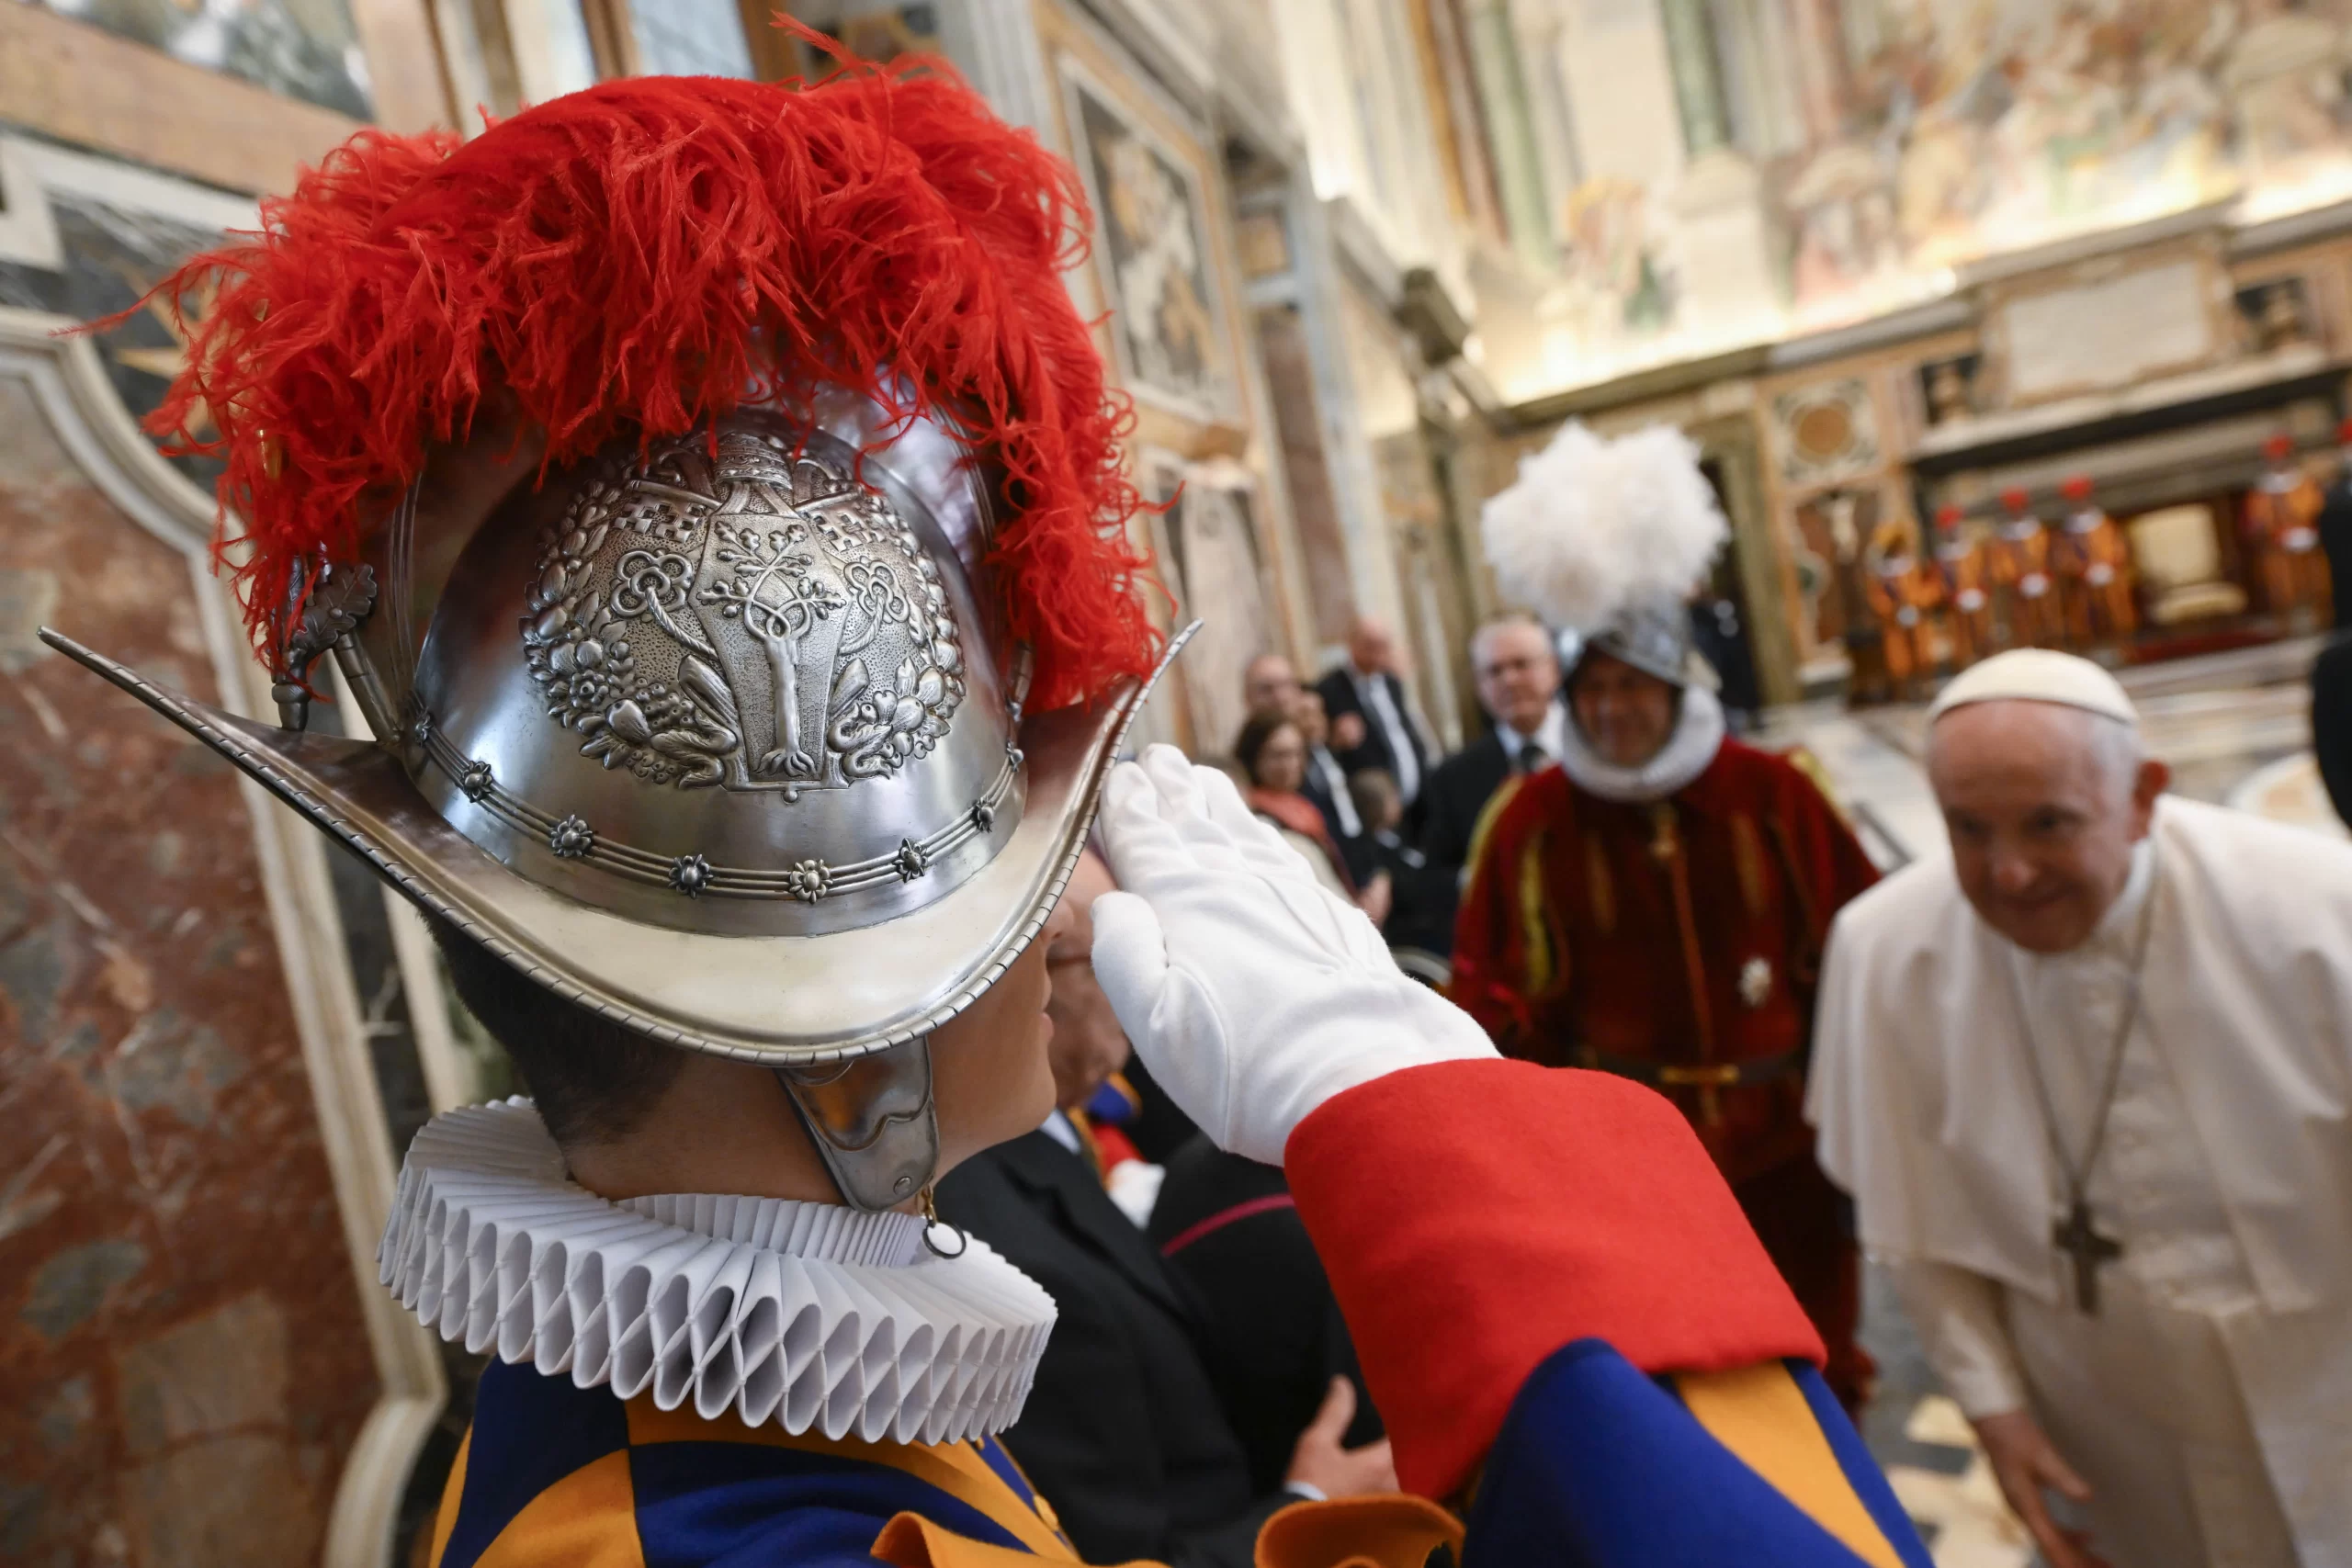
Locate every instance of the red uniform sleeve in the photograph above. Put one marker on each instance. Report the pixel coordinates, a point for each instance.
(1477, 1216)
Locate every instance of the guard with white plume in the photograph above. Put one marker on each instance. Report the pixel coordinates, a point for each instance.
(1658, 905)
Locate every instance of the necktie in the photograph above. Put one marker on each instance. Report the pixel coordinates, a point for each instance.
(1531, 756)
(1406, 762)
(1335, 785)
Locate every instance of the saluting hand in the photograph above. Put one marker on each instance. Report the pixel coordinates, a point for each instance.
(1252, 992)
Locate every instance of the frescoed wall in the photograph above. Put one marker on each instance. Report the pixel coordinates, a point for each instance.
(1737, 170)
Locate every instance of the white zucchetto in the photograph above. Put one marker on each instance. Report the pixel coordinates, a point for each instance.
(2038, 676)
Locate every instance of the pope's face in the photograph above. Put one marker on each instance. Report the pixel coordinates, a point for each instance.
(1626, 714)
(2043, 809)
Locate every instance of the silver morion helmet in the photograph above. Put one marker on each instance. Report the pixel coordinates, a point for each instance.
(1654, 636)
(721, 737)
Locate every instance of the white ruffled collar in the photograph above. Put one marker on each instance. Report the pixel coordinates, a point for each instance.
(810, 1316)
(1698, 735)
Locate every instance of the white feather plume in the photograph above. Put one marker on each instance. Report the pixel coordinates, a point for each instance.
(1593, 525)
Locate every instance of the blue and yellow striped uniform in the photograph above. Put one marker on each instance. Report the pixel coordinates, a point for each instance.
(1600, 1466)
(552, 1475)
(1559, 1307)
(1597, 1466)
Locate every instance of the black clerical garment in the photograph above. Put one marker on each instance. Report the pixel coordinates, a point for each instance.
(1272, 1330)
(1123, 1432)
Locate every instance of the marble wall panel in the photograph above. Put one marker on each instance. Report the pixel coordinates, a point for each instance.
(181, 1344)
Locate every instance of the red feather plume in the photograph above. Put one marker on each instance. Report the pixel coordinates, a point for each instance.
(639, 256)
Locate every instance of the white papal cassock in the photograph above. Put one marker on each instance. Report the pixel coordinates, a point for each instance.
(2210, 1403)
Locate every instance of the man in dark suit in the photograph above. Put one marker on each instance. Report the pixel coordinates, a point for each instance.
(1518, 673)
(1371, 722)
(1326, 786)
(1123, 1432)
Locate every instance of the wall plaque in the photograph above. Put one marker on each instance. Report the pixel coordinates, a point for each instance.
(2110, 331)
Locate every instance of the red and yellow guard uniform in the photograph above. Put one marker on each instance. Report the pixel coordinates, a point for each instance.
(2094, 569)
(2283, 529)
(1679, 942)
(1906, 592)
(2021, 567)
(1968, 596)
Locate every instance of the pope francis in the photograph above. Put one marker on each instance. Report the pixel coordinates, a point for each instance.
(2089, 1079)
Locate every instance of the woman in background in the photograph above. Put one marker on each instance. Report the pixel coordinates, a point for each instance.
(1273, 752)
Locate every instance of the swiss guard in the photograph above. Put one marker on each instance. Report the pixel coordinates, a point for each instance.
(711, 501)
(1656, 905)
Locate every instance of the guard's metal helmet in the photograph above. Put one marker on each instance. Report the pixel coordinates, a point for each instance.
(705, 682)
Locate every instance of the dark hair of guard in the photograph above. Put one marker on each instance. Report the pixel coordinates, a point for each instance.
(1261, 727)
(592, 1079)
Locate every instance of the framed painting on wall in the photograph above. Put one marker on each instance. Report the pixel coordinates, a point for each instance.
(1152, 246)
(1215, 563)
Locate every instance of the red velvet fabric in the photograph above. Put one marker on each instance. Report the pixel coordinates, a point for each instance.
(1477, 1216)
(1575, 932)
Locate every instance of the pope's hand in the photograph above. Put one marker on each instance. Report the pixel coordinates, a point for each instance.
(2025, 1463)
(1251, 992)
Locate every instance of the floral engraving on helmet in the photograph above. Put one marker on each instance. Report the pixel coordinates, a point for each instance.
(571, 838)
(475, 781)
(690, 874)
(809, 881)
(759, 622)
(983, 816)
(911, 861)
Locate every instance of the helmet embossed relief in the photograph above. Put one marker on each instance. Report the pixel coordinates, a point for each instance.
(631, 693)
(756, 697)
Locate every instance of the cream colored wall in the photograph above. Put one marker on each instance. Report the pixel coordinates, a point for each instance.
(1245, 437)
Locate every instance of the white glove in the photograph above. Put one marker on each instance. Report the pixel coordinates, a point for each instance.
(1253, 994)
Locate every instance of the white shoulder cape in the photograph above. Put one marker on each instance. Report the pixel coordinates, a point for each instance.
(1927, 1113)
(805, 1315)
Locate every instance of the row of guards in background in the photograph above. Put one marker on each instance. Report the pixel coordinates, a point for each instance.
(2021, 585)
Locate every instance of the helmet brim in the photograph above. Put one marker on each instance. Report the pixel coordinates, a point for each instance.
(772, 999)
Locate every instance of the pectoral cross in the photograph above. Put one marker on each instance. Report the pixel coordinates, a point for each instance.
(2078, 1237)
